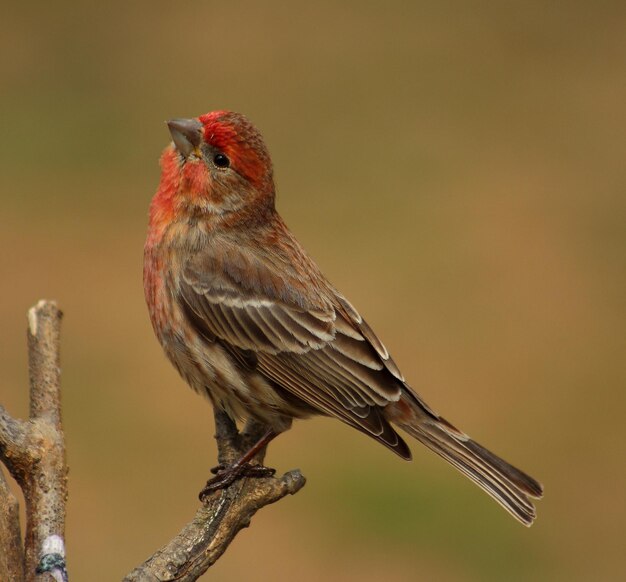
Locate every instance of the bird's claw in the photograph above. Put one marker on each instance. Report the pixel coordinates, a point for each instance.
(226, 476)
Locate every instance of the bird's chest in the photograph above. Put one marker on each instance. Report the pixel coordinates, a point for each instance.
(164, 261)
(159, 279)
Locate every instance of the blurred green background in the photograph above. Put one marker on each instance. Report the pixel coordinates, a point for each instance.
(458, 169)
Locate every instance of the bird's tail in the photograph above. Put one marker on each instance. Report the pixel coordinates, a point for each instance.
(509, 486)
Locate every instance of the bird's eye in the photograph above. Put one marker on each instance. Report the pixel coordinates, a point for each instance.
(221, 161)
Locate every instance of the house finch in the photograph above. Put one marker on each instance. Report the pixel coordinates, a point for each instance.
(248, 319)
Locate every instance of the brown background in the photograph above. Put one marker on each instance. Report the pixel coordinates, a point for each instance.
(456, 168)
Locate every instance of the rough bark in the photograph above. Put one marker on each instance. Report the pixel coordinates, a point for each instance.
(11, 550)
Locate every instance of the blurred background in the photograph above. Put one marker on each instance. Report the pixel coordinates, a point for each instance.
(456, 168)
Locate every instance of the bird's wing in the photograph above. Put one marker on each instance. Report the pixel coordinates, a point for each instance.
(314, 346)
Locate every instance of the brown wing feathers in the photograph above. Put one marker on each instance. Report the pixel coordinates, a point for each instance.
(317, 355)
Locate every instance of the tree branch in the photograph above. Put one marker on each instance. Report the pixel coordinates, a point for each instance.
(34, 453)
(11, 550)
(224, 513)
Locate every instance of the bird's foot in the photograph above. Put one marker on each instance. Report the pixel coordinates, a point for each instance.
(227, 475)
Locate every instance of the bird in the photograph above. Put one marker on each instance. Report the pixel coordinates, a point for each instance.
(248, 319)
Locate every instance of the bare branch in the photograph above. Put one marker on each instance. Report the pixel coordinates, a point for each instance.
(44, 366)
(34, 451)
(11, 550)
(46, 489)
(224, 513)
(14, 444)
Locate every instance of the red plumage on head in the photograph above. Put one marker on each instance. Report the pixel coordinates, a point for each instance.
(234, 135)
(219, 129)
(229, 133)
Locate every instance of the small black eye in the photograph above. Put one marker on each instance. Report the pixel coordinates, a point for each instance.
(221, 161)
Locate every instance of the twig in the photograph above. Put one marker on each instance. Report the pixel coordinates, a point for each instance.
(34, 453)
(11, 550)
(224, 513)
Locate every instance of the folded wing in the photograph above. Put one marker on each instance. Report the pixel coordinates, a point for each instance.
(315, 347)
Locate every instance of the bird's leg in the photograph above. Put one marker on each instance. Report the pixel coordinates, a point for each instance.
(226, 475)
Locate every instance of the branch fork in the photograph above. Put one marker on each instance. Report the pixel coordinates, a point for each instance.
(34, 453)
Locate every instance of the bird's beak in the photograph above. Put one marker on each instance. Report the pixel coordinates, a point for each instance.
(186, 133)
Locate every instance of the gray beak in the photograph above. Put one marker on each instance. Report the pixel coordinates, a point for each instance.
(186, 133)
